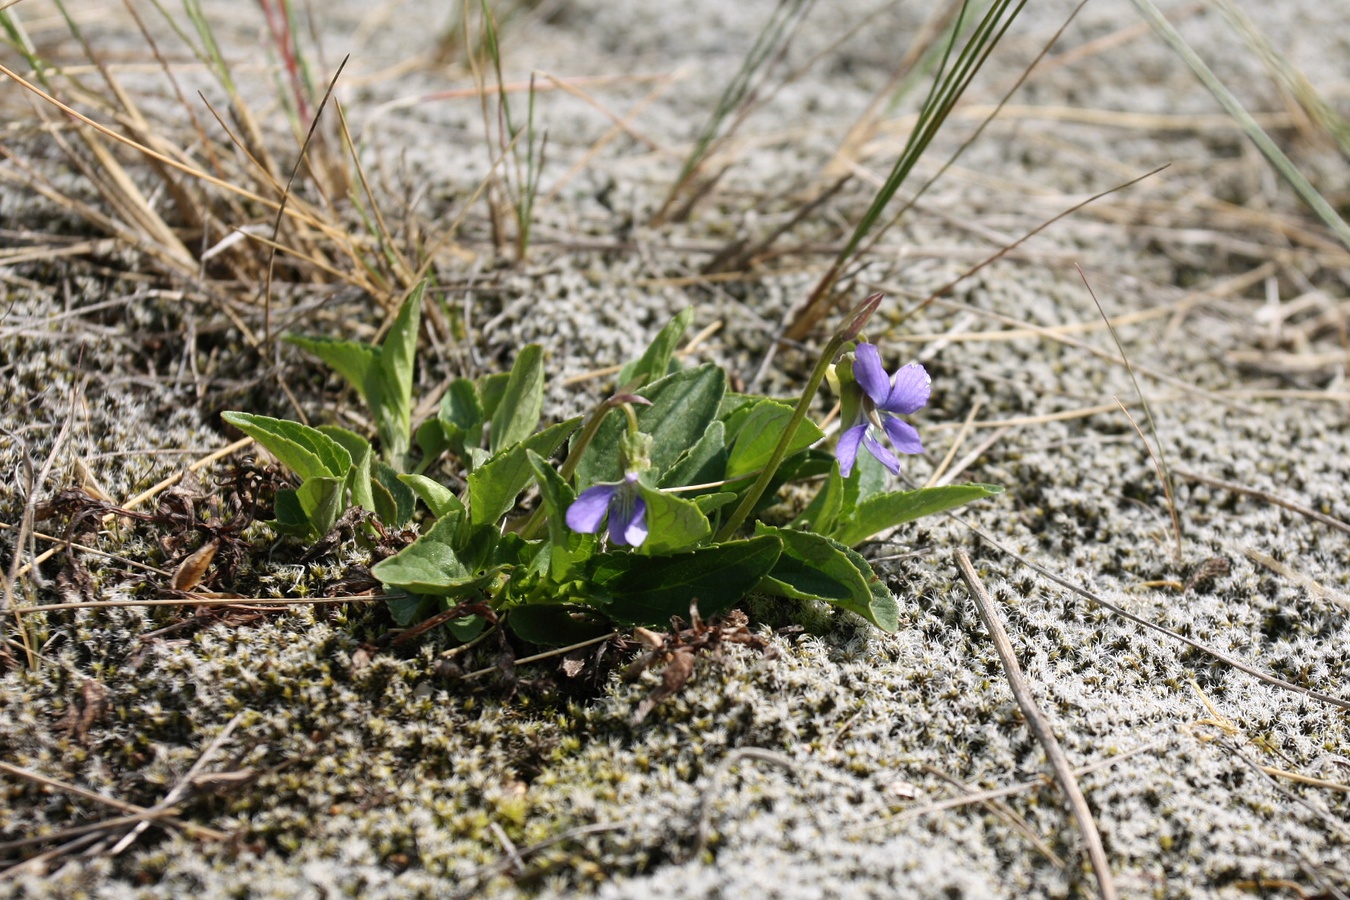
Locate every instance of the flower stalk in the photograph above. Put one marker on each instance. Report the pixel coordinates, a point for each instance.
(850, 330)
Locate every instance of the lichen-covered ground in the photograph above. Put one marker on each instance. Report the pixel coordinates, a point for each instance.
(833, 763)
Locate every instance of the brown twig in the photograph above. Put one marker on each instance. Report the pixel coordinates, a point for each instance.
(1040, 727)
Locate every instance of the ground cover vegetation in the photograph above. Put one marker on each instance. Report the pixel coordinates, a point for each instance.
(435, 511)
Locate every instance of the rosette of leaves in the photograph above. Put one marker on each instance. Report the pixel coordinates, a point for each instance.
(708, 446)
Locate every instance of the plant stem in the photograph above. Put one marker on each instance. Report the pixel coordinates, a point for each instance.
(574, 454)
(841, 337)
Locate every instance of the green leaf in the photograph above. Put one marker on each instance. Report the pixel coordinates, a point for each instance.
(556, 625)
(290, 515)
(655, 361)
(461, 416)
(759, 436)
(897, 507)
(430, 565)
(398, 500)
(306, 451)
(517, 413)
(411, 608)
(813, 567)
(683, 406)
(648, 590)
(491, 388)
(824, 509)
(466, 628)
(432, 441)
(323, 500)
(438, 498)
(358, 478)
(494, 486)
(708, 503)
(389, 386)
(867, 480)
(567, 548)
(703, 463)
(353, 360)
(673, 523)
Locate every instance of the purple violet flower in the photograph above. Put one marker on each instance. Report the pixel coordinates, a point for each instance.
(883, 399)
(620, 501)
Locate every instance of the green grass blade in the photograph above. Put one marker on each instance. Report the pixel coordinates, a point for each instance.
(1253, 130)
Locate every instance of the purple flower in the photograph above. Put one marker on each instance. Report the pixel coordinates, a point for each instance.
(883, 399)
(620, 501)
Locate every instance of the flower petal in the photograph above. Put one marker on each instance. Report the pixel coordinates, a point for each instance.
(635, 530)
(902, 435)
(847, 449)
(588, 511)
(869, 372)
(910, 390)
(877, 449)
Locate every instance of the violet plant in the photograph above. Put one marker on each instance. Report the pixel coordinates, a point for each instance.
(657, 502)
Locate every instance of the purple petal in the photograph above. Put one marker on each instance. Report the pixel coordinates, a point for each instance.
(910, 390)
(847, 450)
(627, 513)
(902, 435)
(867, 369)
(588, 511)
(877, 449)
(635, 532)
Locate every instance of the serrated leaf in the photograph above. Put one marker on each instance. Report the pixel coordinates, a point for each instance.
(438, 498)
(673, 523)
(655, 360)
(887, 510)
(813, 567)
(306, 451)
(648, 590)
(353, 360)
(682, 407)
(494, 486)
(517, 412)
(763, 428)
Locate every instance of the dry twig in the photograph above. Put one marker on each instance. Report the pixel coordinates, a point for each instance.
(1040, 727)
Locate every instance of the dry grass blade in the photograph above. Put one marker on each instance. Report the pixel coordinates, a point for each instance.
(1268, 497)
(1310, 585)
(16, 570)
(1258, 136)
(1010, 790)
(1005, 812)
(281, 208)
(197, 831)
(1118, 610)
(1040, 726)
